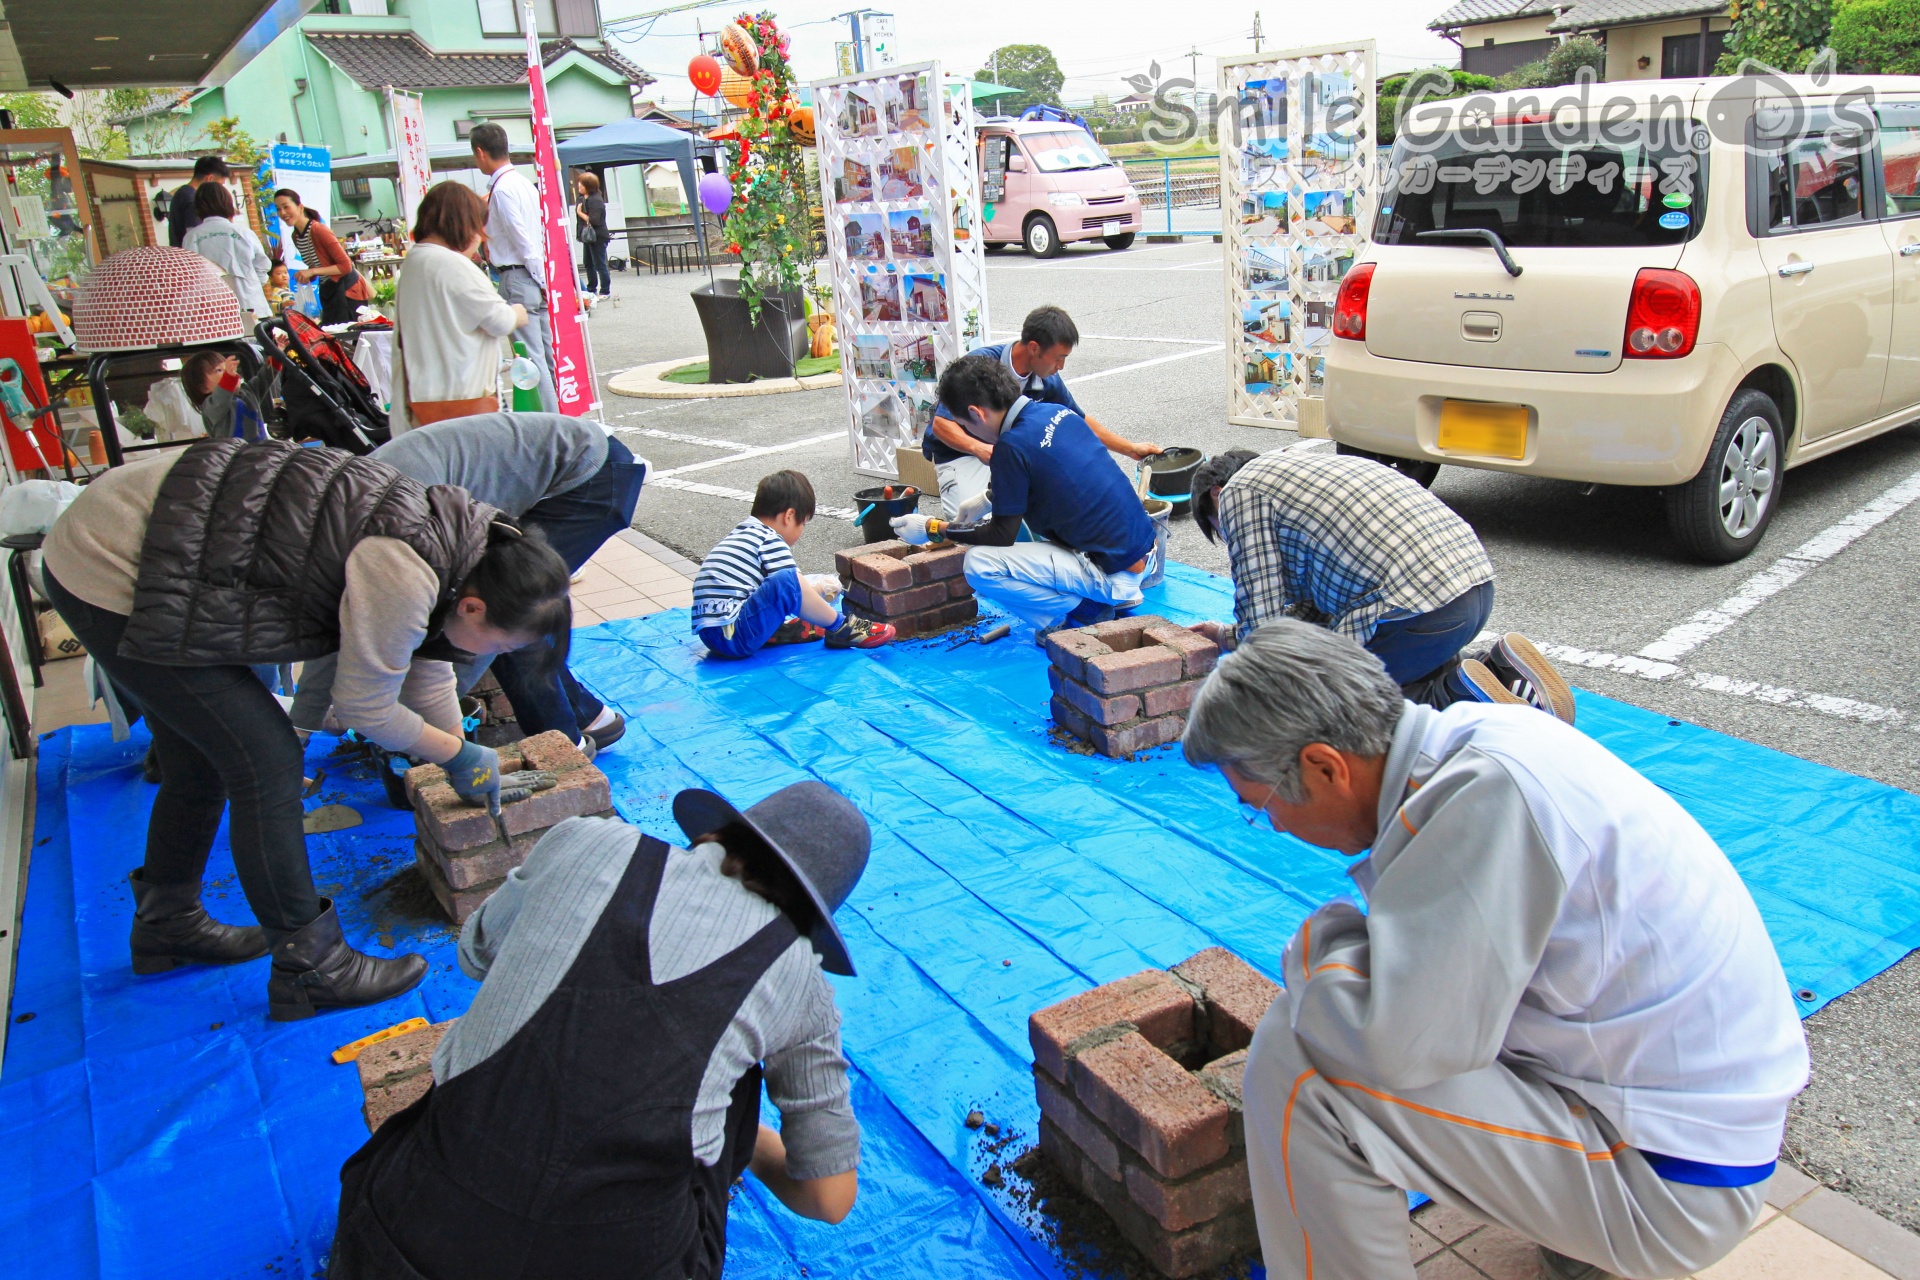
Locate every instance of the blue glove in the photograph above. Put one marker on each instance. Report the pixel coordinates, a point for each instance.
(475, 774)
(911, 529)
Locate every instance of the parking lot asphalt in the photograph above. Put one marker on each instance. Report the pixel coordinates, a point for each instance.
(1822, 667)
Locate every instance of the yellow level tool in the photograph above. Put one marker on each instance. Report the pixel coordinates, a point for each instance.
(348, 1052)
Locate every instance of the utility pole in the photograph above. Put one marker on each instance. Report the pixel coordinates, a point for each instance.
(1256, 31)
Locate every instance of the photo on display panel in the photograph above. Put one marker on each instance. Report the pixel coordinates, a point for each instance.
(920, 399)
(898, 176)
(1326, 213)
(907, 105)
(880, 295)
(855, 183)
(858, 117)
(913, 358)
(867, 237)
(927, 297)
(1265, 369)
(880, 418)
(912, 233)
(870, 357)
(1265, 319)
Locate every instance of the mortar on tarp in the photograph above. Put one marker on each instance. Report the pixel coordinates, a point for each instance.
(876, 525)
(1170, 475)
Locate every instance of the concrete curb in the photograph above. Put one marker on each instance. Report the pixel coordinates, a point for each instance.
(664, 554)
(648, 382)
(1852, 1226)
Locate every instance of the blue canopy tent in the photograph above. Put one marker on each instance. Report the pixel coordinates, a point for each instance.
(636, 141)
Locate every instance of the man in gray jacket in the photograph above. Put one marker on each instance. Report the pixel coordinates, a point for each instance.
(1560, 1011)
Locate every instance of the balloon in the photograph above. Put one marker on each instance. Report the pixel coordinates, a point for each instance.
(800, 122)
(735, 87)
(742, 54)
(704, 71)
(716, 193)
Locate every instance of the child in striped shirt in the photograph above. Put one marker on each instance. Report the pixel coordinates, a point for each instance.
(750, 593)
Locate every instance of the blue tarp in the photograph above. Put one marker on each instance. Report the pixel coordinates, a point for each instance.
(161, 1127)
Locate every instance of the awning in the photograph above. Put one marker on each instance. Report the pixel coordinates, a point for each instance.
(985, 91)
(441, 157)
(107, 44)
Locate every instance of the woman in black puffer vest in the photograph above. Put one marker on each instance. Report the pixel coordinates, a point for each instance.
(179, 572)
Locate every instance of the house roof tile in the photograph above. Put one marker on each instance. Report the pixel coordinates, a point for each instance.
(1593, 15)
(1468, 12)
(378, 59)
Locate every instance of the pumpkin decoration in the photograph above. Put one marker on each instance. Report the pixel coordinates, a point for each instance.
(800, 124)
(824, 334)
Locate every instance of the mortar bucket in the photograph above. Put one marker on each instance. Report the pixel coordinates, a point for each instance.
(877, 526)
(1171, 475)
(1160, 511)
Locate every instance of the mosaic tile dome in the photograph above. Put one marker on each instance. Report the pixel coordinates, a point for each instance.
(150, 297)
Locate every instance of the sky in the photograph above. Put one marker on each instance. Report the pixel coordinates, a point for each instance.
(1095, 43)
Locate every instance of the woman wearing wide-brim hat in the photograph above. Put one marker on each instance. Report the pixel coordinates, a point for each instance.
(591, 1109)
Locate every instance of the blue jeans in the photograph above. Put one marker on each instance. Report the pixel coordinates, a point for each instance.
(577, 523)
(1421, 652)
(772, 603)
(595, 268)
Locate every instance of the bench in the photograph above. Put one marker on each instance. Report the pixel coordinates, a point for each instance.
(669, 242)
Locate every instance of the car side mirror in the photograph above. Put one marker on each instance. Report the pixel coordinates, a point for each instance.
(1016, 163)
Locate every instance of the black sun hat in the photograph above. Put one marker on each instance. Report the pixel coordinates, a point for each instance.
(815, 831)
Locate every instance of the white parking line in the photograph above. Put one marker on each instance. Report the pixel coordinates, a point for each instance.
(666, 480)
(1144, 364)
(641, 413)
(1758, 691)
(1783, 573)
(707, 442)
(1120, 337)
(759, 452)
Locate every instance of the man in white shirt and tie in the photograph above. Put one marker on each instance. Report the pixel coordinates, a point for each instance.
(517, 248)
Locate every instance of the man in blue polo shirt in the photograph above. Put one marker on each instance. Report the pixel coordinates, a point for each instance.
(1094, 540)
(1047, 338)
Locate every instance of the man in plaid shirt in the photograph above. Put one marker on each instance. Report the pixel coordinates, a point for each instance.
(1348, 544)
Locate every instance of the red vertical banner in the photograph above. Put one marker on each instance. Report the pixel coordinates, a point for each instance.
(573, 380)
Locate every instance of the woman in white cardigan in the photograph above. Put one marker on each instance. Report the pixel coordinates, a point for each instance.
(230, 244)
(448, 320)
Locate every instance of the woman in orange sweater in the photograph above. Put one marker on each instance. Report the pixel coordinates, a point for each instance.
(342, 287)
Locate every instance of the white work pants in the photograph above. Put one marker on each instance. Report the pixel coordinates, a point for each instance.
(1328, 1155)
(1041, 582)
(963, 478)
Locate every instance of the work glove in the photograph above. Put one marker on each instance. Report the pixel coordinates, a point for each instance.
(515, 787)
(474, 772)
(974, 510)
(912, 529)
(826, 584)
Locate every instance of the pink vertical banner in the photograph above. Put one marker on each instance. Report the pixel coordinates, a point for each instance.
(408, 113)
(573, 381)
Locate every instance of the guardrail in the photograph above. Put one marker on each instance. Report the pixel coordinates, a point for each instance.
(1185, 190)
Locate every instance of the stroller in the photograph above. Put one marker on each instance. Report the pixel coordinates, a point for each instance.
(326, 397)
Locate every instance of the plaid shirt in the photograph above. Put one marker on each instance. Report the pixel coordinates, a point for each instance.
(1341, 542)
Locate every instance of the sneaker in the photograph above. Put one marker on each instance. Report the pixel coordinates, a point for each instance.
(1558, 1266)
(797, 631)
(1089, 613)
(1482, 685)
(604, 735)
(859, 633)
(1526, 671)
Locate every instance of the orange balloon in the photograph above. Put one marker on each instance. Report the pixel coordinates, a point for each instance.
(800, 123)
(735, 87)
(704, 71)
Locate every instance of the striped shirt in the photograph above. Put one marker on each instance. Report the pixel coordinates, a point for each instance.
(734, 570)
(522, 941)
(1342, 542)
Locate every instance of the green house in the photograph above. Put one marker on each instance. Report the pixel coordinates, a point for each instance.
(322, 82)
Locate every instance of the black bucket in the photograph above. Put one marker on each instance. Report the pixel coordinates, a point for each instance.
(1170, 475)
(877, 524)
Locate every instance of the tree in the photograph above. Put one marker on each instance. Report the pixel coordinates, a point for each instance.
(1029, 68)
(31, 110)
(1428, 84)
(1562, 66)
(1782, 34)
(1878, 37)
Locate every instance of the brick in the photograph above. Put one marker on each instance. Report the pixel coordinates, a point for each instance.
(384, 1063)
(457, 903)
(958, 613)
(577, 794)
(383, 1104)
(1235, 998)
(1140, 735)
(1088, 1136)
(1122, 635)
(1152, 1104)
(1168, 699)
(843, 563)
(891, 604)
(892, 547)
(1150, 1002)
(859, 596)
(1177, 1254)
(552, 752)
(1069, 651)
(959, 589)
(442, 817)
(937, 565)
(1226, 1077)
(422, 775)
(1187, 1202)
(1198, 653)
(883, 573)
(1132, 669)
(1071, 718)
(1118, 709)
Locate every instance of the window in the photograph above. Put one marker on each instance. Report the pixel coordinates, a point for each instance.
(1900, 157)
(1813, 184)
(502, 17)
(1680, 55)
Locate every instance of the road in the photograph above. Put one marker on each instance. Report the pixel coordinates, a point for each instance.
(1803, 647)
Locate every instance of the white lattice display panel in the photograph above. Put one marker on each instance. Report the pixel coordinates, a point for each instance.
(899, 184)
(1297, 192)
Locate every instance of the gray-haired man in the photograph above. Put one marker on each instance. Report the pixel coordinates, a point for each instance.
(1560, 1012)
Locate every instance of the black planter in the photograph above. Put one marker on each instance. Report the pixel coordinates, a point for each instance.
(739, 350)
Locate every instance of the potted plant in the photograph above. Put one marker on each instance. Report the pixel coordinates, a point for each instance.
(756, 326)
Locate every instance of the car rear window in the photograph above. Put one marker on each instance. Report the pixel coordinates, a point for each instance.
(1539, 191)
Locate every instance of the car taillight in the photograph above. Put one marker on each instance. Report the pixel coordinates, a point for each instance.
(1663, 316)
(1350, 308)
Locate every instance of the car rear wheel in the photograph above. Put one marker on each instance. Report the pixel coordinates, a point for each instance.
(1721, 514)
(1122, 241)
(1422, 473)
(1043, 241)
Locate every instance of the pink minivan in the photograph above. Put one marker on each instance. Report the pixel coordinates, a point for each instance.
(1049, 184)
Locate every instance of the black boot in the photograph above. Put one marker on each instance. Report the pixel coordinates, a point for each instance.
(171, 929)
(315, 969)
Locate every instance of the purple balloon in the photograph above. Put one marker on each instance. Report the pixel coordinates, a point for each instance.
(716, 193)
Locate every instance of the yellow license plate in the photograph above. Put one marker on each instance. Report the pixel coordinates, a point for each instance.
(1490, 430)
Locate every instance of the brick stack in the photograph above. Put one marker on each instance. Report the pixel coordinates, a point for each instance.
(458, 847)
(498, 723)
(920, 590)
(1139, 1090)
(1125, 686)
(394, 1073)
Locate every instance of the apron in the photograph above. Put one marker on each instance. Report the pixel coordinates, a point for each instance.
(568, 1153)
